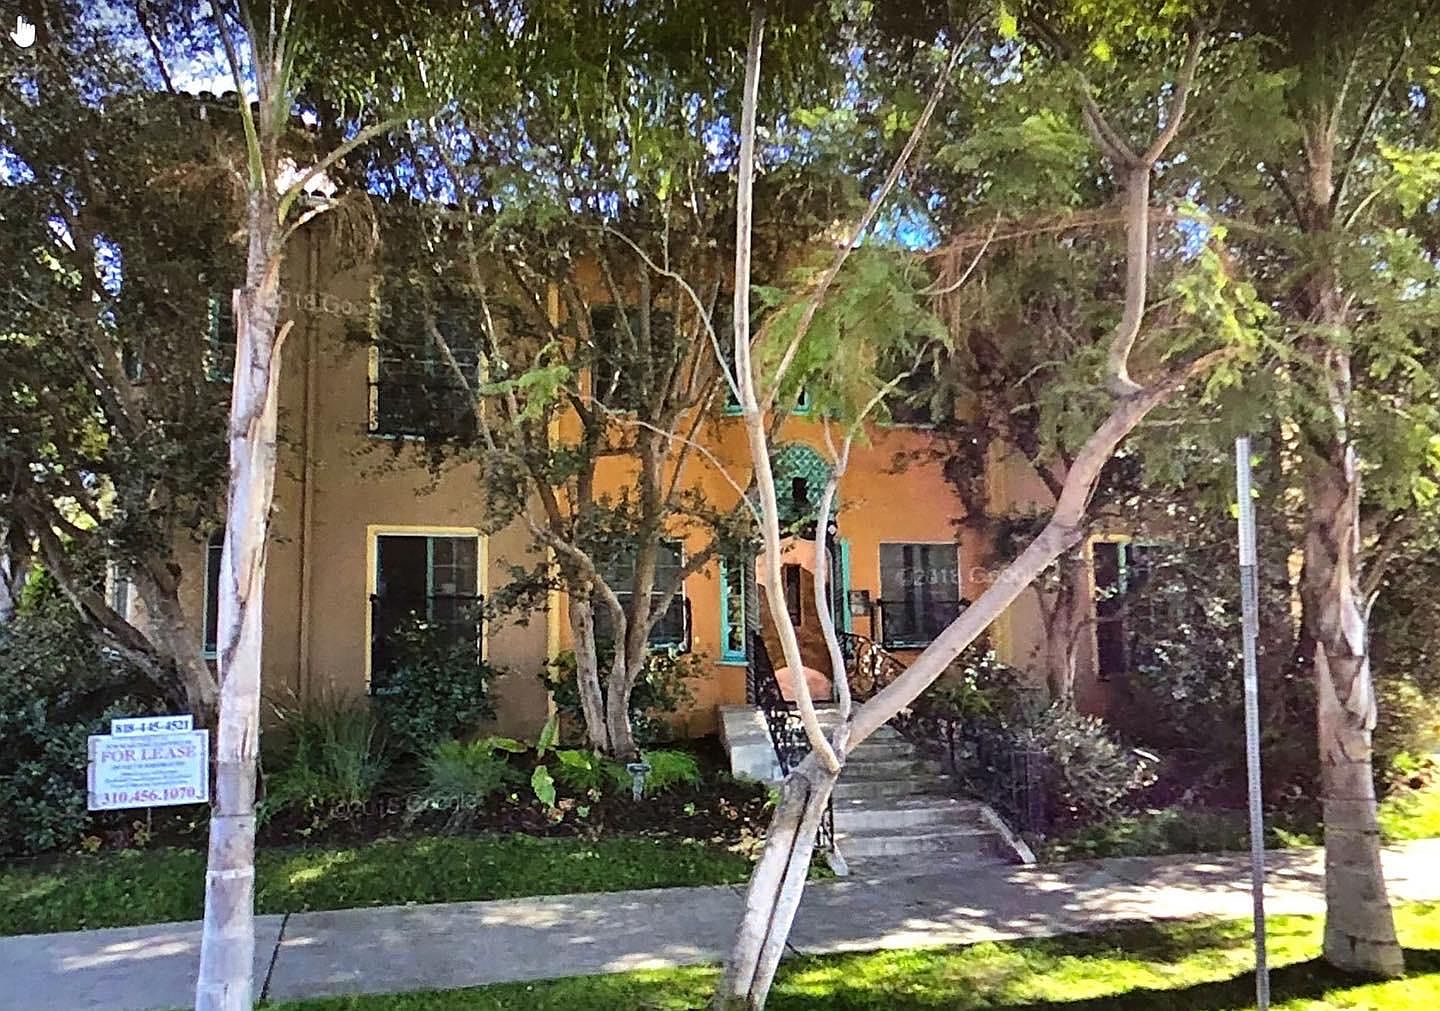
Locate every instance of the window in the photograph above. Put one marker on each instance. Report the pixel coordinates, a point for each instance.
(734, 635)
(790, 578)
(672, 628)
(1122, 571)
(220, 361)
(628, 362)
(919, 592)
(429, 578)
(213, 550)
(414, 389)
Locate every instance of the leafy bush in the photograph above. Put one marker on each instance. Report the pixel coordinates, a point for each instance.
(56, 688)
(585, 772)
(1086, 769)
(332, 753)
(669, 769)
(461, 776)
(661, 690)
(437, 691)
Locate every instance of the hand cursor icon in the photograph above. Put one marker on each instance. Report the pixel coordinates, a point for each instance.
(24, 33)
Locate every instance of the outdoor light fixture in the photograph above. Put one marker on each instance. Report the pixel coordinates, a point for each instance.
(638, 771)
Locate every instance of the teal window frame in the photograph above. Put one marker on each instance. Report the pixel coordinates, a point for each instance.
(210, 605)
(214, 367)
(729, 566)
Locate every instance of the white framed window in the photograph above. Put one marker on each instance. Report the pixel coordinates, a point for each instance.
(430, 574)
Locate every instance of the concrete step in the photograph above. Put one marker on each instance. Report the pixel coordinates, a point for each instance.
(862, 815)
(871, 750)
(879, 789)
(951, 840)
(888, 768)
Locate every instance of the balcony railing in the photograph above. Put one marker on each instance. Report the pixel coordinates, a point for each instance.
(905, 624)
(398, 625)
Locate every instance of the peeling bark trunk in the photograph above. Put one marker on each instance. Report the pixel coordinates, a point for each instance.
(1359, 925)
(587, 674)
(227, 947)
(776, 886)
(14, 568)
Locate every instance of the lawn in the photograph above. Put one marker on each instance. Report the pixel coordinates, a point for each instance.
(1177, 967)
(162, 885)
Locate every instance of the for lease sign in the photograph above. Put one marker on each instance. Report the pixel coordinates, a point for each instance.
(149, 770)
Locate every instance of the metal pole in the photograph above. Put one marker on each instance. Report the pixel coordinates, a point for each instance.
(1250, 610)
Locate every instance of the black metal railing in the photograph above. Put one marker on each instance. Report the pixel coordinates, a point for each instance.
(912, 623)
(981, 757)
(398, 626)
(782, 719)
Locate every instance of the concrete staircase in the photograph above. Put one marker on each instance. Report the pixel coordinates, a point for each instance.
(891, 801)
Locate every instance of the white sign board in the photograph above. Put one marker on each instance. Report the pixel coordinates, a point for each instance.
(136, 769)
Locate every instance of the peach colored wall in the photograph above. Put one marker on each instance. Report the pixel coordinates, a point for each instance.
(316, 637)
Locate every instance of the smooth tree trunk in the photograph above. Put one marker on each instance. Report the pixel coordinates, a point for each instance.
(227, 947)
(1359, 925)
(1064, 623)
(778, 882)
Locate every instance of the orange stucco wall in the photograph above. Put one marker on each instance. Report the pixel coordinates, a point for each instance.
(337, 486)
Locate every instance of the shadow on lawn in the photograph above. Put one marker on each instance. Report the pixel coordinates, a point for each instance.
(1299, 981)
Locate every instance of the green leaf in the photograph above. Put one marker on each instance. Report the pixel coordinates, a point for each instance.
(543, 786)
(508, 744)
(548, 733)
(576, 759)
(1006, 22)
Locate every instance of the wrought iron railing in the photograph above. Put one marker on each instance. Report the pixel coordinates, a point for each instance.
(913, 623)
(982, 758)
(782, 719)
(456, 620)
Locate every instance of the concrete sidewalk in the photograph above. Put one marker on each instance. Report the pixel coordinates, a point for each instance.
(914, 903)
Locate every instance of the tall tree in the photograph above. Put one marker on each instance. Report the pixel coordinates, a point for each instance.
(779, 877)
(110, 444)
(577, 291)
(1330, 187)
(267, 50)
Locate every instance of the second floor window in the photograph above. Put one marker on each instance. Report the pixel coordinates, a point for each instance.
(415, 389)
(632, 359)
(919, 592)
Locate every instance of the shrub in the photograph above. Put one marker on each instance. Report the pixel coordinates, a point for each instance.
(661, 690)
(1087, 771)
(585, 772)
(332, 753)
(56, 688)
(669, 769)
(437, 691)
(461, 776)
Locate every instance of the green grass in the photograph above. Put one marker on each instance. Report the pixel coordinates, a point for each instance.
(1411, 814)
(163, 885)
(1178, 967)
